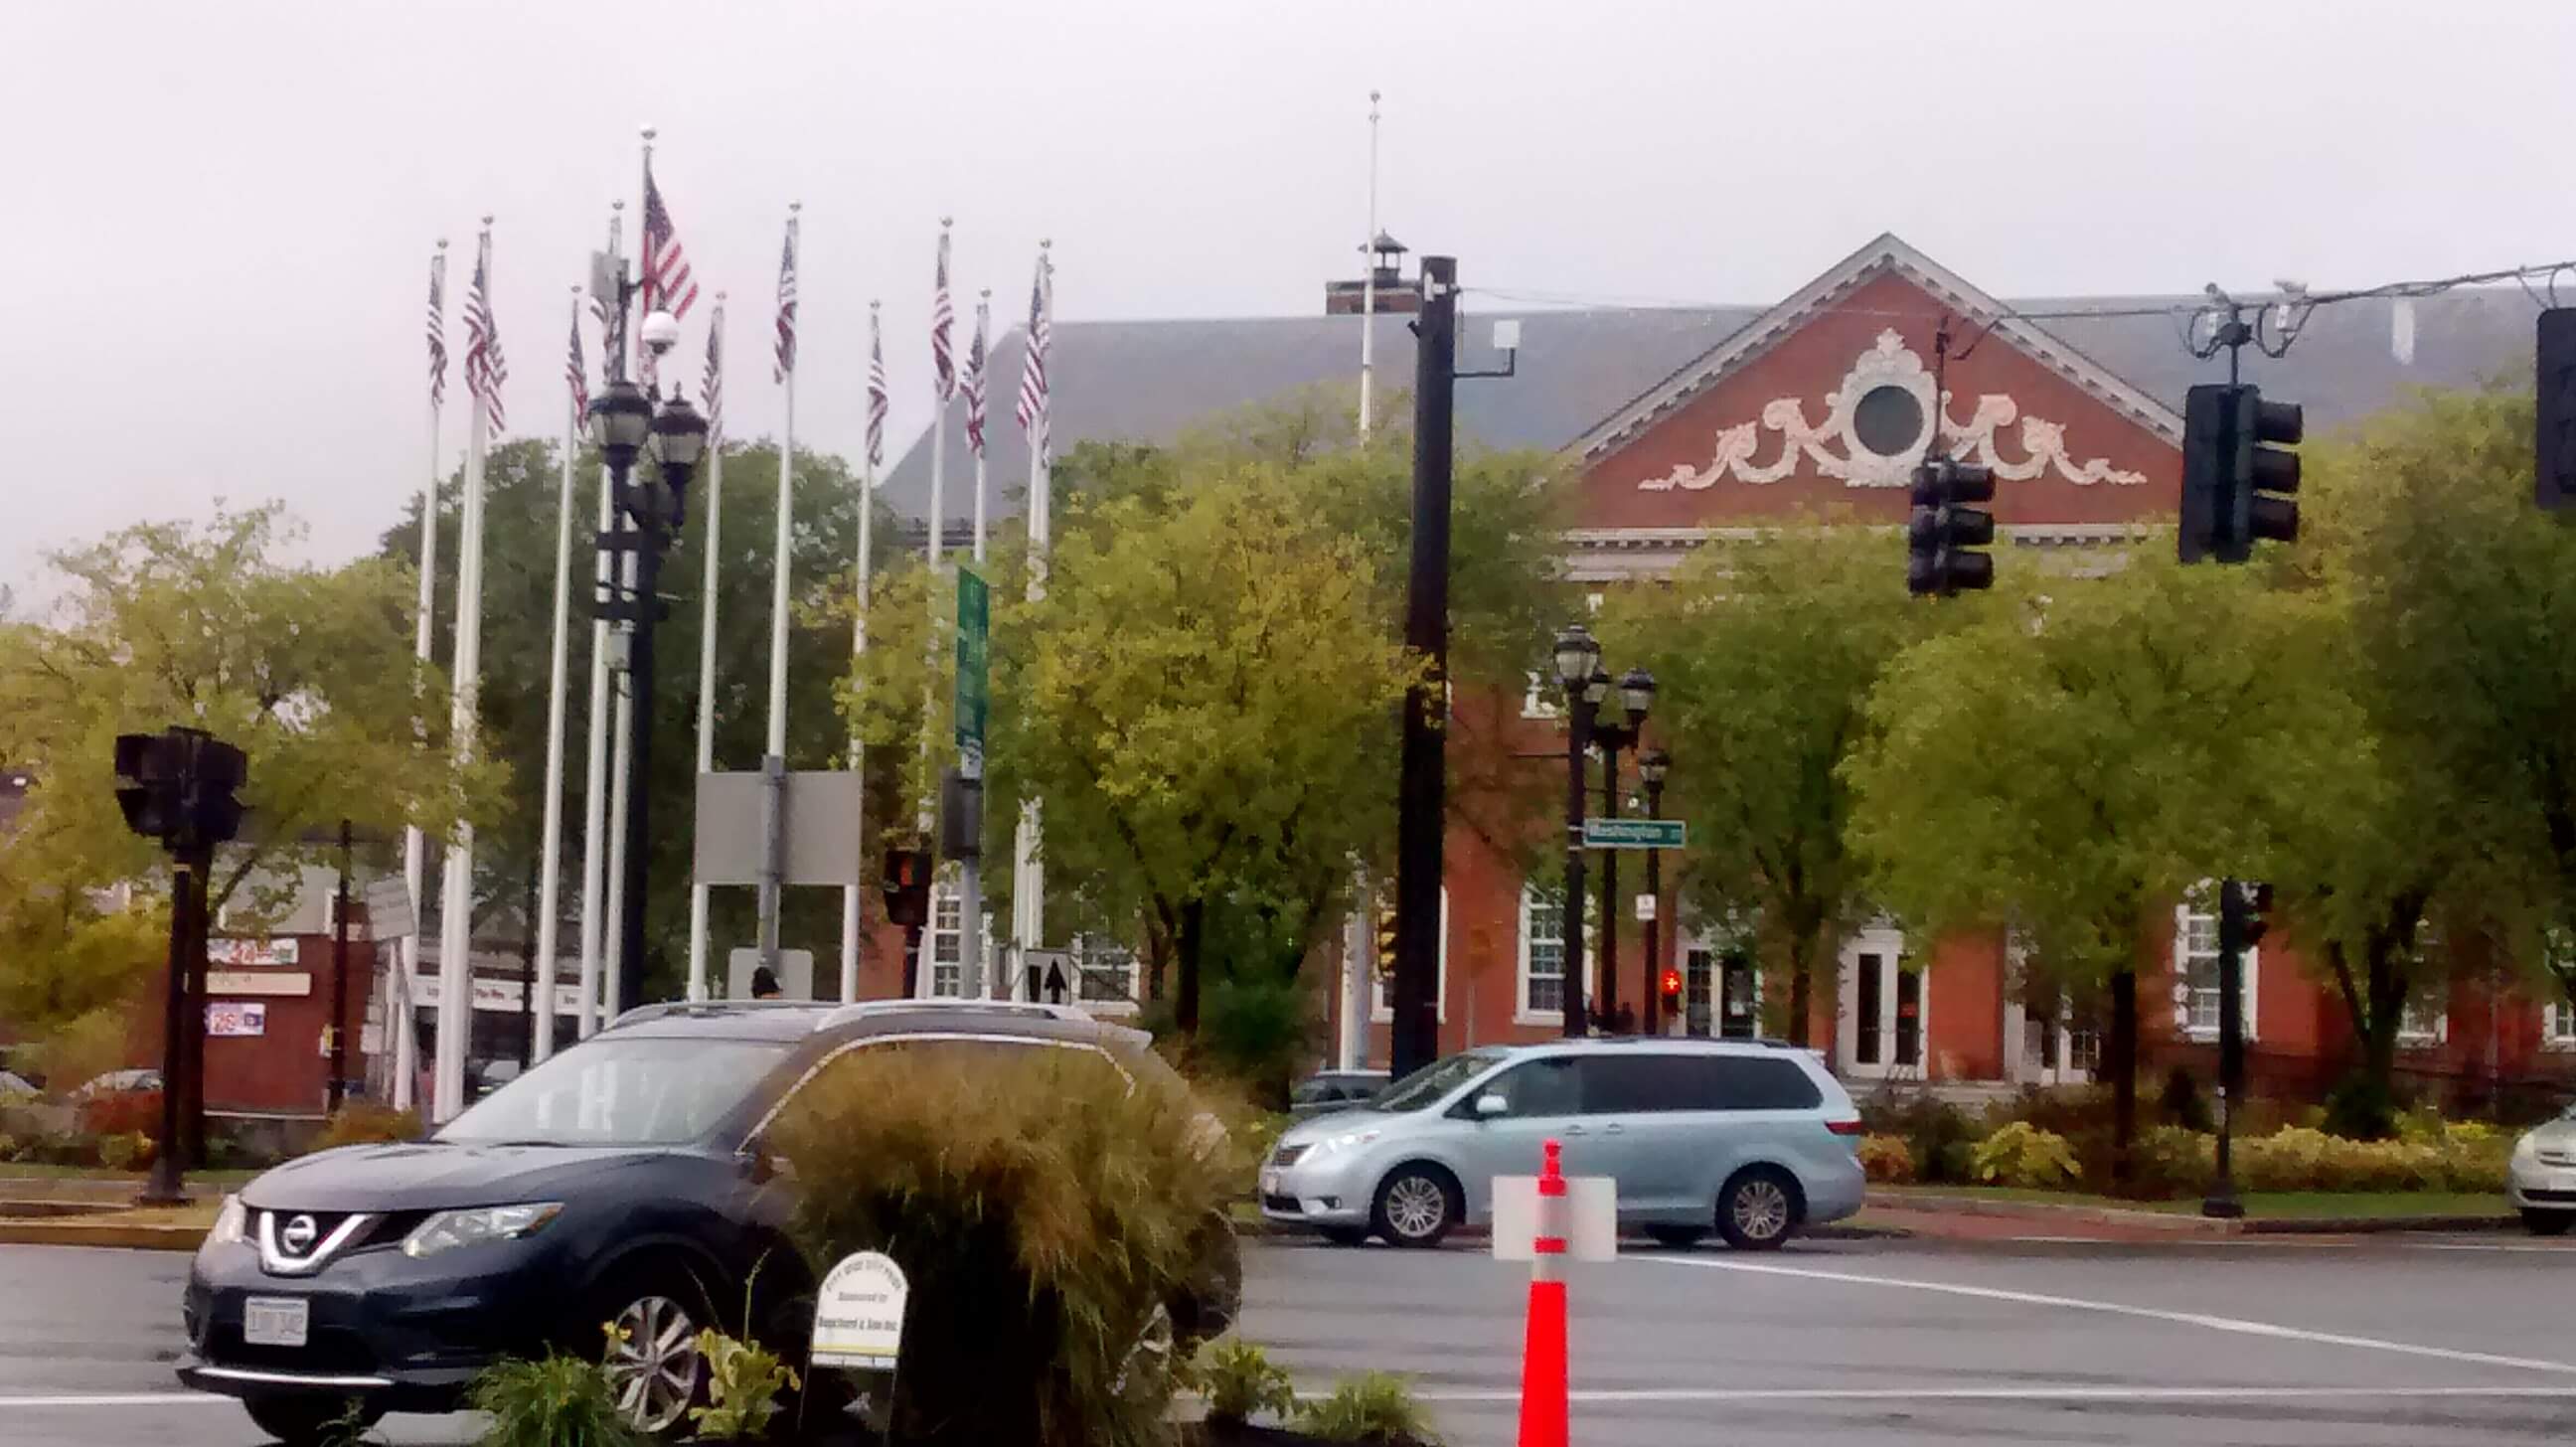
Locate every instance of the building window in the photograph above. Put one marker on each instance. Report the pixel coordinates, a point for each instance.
(1382, 988)
(1541, 996)
(945, 940)
(1888, 420)
(2558, 1026)
(1104, 971)
(2425, 1019)
(2196, 962)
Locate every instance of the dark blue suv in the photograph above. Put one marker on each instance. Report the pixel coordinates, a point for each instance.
(621, 1181)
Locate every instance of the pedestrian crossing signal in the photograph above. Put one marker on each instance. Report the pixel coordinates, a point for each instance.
(1672, 987)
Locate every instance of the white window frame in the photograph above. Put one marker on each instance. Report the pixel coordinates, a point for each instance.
(2185, 916)
(1522, 1014)
(1889, 942)
(947, 889)
(1381, 989)
(1099, 957)
(2558, 1026)
(2413, 1028)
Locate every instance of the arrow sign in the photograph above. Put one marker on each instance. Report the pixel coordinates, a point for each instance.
(1633, 833)
(1055, 983)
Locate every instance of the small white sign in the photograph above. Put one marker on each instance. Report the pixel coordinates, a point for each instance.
(389, 911)
(252, 952)
(236, 1019)
(858, 1314)
(1645, 908)
(255, 982)
(1592, 1218)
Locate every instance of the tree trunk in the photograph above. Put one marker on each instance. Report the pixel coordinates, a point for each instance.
(1802, 988)
(2121, 1061)
(1185, 1005)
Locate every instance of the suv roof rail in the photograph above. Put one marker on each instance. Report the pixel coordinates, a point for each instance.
(665, 1009)
(1022, 1009)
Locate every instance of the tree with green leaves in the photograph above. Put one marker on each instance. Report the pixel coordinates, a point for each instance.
(2082, 753)
(1764, 650)
(307, 669)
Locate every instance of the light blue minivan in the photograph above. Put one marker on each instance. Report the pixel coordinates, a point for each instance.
(1752, 1139)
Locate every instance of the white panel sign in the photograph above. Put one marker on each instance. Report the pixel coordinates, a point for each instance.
(858, 1314)
(510, 995)
(236, 1019)
(252, 982)
(251, 952)
(1592, 1218)
(389, 911)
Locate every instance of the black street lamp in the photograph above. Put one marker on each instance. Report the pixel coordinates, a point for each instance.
(1636, 696)
(625, 421)
(1578, 658)
(1652, 766)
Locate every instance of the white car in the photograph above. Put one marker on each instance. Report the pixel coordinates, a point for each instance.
(2541, 1182)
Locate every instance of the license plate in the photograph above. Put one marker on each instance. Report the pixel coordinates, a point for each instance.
(1270, 1183)
(276, 1321)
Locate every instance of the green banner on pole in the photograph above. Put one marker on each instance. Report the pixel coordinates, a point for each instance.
(974, 665)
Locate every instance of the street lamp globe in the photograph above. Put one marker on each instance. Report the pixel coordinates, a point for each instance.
(620, 418)
(679, 440)
(1637, 693)
(1577, 654)
(1597, 687)
(1652, 765)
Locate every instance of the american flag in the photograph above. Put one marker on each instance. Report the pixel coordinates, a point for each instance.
(574, 372)
(438, 326)
(974, 384)
(1033, 372)
(711, 390)
(787, 305)
(877, 400)
(485, 370)
(667, 285)
(943, 359)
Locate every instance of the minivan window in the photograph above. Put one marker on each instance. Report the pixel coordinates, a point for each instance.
(1425, 1086)
(1625, 1084)
(1544, 1087)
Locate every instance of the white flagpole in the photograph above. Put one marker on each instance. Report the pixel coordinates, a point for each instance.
(779, 568)
(550, 861)
(983, 382)
(594, 795)
(456, 923)
(698, 899)
(424, 629)
(1028, 869)
(1352, 1042)
(929, 815)
(851, 896)
(1368, 282)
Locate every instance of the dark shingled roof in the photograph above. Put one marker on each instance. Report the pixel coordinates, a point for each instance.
(1146, 381)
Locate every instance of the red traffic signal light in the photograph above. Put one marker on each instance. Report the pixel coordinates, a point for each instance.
(1672, 985)
(907, 886)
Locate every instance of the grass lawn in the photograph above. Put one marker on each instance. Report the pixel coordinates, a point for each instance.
(2311, 1204)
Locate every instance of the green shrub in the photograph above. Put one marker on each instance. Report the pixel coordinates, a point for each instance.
(2360, 1108)
(554, 1402)
(8, 1148)
(1886, 1160)
(1045, 1210)
(1256, 1033)
(2021, 1154)
(744, 1379)
(2169, 1161)
(2066, 1110)
(1938, 1135)
(2182, 1104)
(1373, 1407)
(1238, 1379)
(365, 1123)
(125, 1151)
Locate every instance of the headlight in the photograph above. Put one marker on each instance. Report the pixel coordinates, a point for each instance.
(2527, 1147)
(232, 1223)
(1345, 1141)
(450, 1229)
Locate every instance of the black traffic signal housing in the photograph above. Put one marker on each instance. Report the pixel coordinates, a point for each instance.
(2237, 472)
(907, 887)
(1383, 938)
(1672, 992)
(178, 787)
(2554, 452)
(1944, 534)
(150, 772)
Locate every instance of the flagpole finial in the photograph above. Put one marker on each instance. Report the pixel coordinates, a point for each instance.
(487, 220)
(649, 134)
(873, 304)
(946, 221)
(442, 243)
(795, 206)
(1045, 241)
(617, 205)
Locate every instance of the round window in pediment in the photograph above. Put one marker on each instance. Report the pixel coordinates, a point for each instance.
(1889, 420)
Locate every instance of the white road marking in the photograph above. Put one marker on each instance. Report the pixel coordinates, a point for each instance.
(2183, 1318)
(2003, 1394)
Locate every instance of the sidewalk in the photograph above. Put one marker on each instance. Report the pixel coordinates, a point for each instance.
(1968, 1215)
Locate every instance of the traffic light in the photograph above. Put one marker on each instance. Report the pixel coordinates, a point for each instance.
(1384, 939)
(177, 787)
(2237, 475)
(149, 769)
(2554, 457)
(907, 887)
(1672, 990)
(1942, 539)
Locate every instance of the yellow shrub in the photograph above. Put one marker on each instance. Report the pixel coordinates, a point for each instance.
(2021, 1154)
(1886, 1160)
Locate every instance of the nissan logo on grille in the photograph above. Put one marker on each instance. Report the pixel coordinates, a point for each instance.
(300, 1234)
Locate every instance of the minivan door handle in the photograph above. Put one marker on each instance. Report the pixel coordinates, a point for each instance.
(1574, 1129)
(1614, 1128)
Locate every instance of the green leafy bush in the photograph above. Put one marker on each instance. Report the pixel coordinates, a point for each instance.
(1938, 1136)
(1238, 1379)
(2363, 1109)
(125, 1151)
(2170, 1161)
(744, 1379)
(1886, 1160)
(2021, 1154)
(1256, 1032)
(1373, 1407)
(557, 1401)
(1046, 1207)
(365, 1123)
(8, 1148)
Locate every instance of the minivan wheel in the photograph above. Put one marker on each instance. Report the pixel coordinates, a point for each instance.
(1758, 1209)
(1417, 1206)
(303, 1421)
(653, 1365)
(2548, 1223)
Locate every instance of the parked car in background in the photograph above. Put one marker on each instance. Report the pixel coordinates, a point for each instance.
(120, 1082)
(13, 1084)
(622, 1181)
(1326, 1091)
(1749, 1138)
(2541, 1182)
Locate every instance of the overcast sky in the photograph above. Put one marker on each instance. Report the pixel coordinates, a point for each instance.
(218, 218)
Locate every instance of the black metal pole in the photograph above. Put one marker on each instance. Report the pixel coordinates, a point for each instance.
(1654, 921)
(639, 776)
(1611, 738)
(192, 1025)
(2222, 1200)
(339, 1027)
(1578, 731)
(167, 1185)
(1422, 787)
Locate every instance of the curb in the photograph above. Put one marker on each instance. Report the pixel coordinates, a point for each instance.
(110, 1235)
(2175, 1223)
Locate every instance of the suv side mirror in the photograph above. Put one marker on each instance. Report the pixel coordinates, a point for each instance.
(1492, 1104)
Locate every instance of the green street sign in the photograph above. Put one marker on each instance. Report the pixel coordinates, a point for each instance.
(974, 663)
(1633, 833)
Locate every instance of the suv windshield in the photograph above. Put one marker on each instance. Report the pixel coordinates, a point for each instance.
(611, 1092)
(1425, 1086)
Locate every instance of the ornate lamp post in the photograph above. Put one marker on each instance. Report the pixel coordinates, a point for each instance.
(1636, 696)
(1652, 766)
(1578, 658)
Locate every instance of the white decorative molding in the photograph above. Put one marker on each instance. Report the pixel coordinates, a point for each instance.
(1836, 450)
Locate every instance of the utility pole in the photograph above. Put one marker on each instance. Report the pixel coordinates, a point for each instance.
(1422, 789)
(339, 1026)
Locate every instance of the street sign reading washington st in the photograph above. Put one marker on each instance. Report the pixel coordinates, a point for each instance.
(1633, 833)
(974, 655)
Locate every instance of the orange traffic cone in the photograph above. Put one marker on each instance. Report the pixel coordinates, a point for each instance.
(1543, 1386)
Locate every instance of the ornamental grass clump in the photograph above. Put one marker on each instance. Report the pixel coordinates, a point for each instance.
(1045, 1205)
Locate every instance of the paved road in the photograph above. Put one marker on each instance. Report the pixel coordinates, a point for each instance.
(2279, 1343)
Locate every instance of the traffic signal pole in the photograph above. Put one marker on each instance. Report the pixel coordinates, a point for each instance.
(1422, 788)
(167, 1185)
